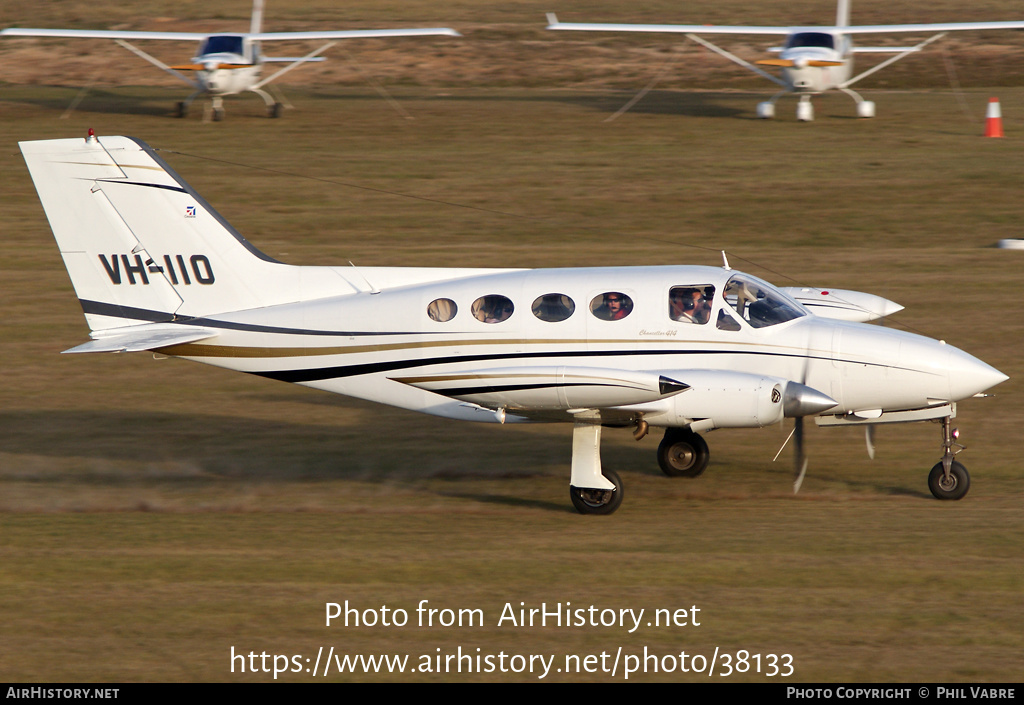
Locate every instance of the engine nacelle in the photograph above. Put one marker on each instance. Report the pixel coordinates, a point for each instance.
(725, 399)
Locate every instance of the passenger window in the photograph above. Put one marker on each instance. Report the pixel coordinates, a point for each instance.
(690, 304)
(553, 307)
(442, 310)
(611, 306)
(494, 308)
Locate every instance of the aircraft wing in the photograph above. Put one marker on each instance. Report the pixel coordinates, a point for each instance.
(937, 27)
(102, 34)
(145, 337)
(355, 34)
(553, 23)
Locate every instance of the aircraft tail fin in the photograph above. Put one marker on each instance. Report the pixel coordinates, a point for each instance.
(256, 26)
(140, 245)
(843, 13)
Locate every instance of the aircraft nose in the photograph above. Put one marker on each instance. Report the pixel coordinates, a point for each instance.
(969, 376)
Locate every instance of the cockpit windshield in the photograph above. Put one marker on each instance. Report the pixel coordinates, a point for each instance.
(759, 304)
(222, 44)
(811, 39)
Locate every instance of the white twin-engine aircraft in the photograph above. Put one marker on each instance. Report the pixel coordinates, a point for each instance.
(229, 63)
(685, 348)
(812, 60)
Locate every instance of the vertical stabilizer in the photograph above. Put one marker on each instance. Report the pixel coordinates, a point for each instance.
(843, 13)
(139, 244)
(256, 26)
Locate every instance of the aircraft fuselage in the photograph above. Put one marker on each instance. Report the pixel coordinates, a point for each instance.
(388, 346)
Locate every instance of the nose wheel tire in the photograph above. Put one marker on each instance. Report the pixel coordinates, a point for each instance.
(953, 487)
(593, 501)
(683, 453)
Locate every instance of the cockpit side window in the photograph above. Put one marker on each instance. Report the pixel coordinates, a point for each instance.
(759, 304)
(691, 304)
(611, 306)
(493, 308)
(726, 322)
(811, 39)
(553, 307)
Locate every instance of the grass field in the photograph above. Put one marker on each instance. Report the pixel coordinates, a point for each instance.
(156, 514)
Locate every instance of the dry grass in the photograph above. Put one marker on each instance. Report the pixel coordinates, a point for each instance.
(155, 514)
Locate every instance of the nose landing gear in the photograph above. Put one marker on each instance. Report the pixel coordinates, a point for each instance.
(949, 479)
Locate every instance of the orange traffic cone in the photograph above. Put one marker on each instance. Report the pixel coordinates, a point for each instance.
(994, 119)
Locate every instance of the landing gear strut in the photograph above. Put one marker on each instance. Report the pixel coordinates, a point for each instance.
(592, 490)
(949, 479)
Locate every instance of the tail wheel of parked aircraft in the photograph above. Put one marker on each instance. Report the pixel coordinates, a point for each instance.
(683, 453)
(591, 501)
(953, 487)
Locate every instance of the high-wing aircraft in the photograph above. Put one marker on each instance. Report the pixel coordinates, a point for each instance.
(812, 59)
(687, 349)
(229, 63)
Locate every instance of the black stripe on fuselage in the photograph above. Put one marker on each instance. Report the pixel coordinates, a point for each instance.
(491, 389)
(324, 373)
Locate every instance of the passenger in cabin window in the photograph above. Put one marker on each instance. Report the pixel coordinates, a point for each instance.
(614, 306)
(690, 304)
(492, 309)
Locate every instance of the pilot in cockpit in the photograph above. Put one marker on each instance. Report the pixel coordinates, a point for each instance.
(690, 304)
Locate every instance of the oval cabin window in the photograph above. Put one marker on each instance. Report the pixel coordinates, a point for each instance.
(493, 308)
(553, 307)
(442, 310)
(611, 306)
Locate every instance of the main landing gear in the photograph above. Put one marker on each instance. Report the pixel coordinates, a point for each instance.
(683, 453)
(949, 479)
(592, 490)
(215, 110)
(805, 110)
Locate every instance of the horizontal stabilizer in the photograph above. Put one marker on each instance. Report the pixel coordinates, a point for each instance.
(549, 387)
(141, 338)
(789, 63)
(214, 67)
(886, 50)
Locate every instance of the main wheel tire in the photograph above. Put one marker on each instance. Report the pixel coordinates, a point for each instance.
(954, 487)
(683, 453)
(591, 501)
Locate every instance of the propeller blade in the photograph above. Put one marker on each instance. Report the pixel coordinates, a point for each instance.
(869, 437)
(799, 457)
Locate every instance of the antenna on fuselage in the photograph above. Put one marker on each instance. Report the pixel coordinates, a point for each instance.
(725, 261)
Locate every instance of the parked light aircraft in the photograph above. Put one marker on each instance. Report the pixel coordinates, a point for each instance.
(812, 60)
(685, 348)
(229, 63)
